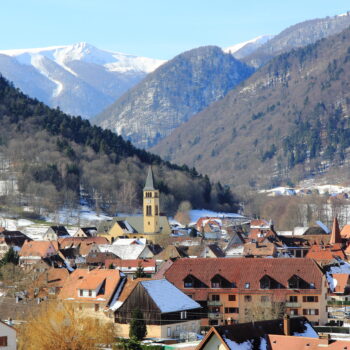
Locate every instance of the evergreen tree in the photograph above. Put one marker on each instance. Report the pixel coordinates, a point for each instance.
(193, 232)
(140, 272)
(138, 328)
(10, 257)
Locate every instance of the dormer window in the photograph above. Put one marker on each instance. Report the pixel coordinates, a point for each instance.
(192, 282)
(189, 282)
(265, 283)
(295, 282)
(220, 282)
(247, 285)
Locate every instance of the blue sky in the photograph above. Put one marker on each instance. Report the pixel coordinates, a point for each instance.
(153, 28)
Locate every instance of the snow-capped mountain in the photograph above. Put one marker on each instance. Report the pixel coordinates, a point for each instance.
(245, 48)
(81, 79)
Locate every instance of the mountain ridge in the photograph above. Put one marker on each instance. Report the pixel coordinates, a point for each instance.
(172, 94)
(286, 122)
(72, 76)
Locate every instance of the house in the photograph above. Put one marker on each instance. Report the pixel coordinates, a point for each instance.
(48, 284)
(129, 267)
(33, 251)
(151, 225)
(92, 291)
(11, 239)
(86, 232)
(167, 311)
(292, 334)
(212, 251)
(99, 258)
(7, 337)
(237, 289)
(260, 250)
(324, 254)
(53, 233)
(129, 252)
(171, 252)
(261, 335)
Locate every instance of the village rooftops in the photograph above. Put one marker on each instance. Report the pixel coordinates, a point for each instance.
(201, 276)
(90, 286)
(255, 335)
(38, 248)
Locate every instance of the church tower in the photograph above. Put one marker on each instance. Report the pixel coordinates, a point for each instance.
(150, 205)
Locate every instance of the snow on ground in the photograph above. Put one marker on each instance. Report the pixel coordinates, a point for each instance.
(167, 297)
(82, 217)
(195, 214)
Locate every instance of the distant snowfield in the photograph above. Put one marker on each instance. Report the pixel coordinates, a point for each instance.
(260, 40)
(113, 61)
(322, 189)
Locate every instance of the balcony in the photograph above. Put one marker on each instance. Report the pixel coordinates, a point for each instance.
(293, 305)
(214, 315)
(214, 303)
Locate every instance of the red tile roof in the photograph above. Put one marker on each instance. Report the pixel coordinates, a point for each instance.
(345, 232)
(282, 342)
(37, 248)
(85, 279)
(244, 270)
(326, 252)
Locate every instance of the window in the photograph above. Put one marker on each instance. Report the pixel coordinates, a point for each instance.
(293, 299)
(248, 298)
(215, 297)
(215, 284)
(148, 210)
(247, 285)
(265, 283)
(188, 282)
(156, 210)
(148, 194)
(3, 341)
(310, 312)
(97, 307)
(231, 310)
(265, 299)
(312, 285)
(294, 312)
(310, 299)
(90, 293)
(168, 332)
(183, 315)
(231, 297)
(80, 292)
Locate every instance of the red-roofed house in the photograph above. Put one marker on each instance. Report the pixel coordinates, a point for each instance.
(323, 254)
(33, 251)
(229, 288)
(91, 290)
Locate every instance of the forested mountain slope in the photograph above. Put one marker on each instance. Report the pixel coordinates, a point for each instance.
(171, 94)
(289, 120)
(54, 158)
(298, 35)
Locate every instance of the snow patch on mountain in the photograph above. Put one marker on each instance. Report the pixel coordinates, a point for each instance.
(257, 42)
(81, 79)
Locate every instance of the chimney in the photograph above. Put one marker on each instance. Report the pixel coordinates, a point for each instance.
(324, 339)
(286, 325)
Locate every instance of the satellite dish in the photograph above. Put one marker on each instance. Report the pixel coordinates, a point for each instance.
(323, 226)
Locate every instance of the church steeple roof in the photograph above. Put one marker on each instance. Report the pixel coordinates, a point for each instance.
(149, 186)
(335, 235)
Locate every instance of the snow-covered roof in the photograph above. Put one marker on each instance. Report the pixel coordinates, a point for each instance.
(132, 251)
(167, 297)
(129, 241)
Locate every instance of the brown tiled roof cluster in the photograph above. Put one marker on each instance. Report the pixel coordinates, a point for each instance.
(85, 279)
(326, 252)
(259, 249)
(241, 271)
(37, 248)
(171, 252)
